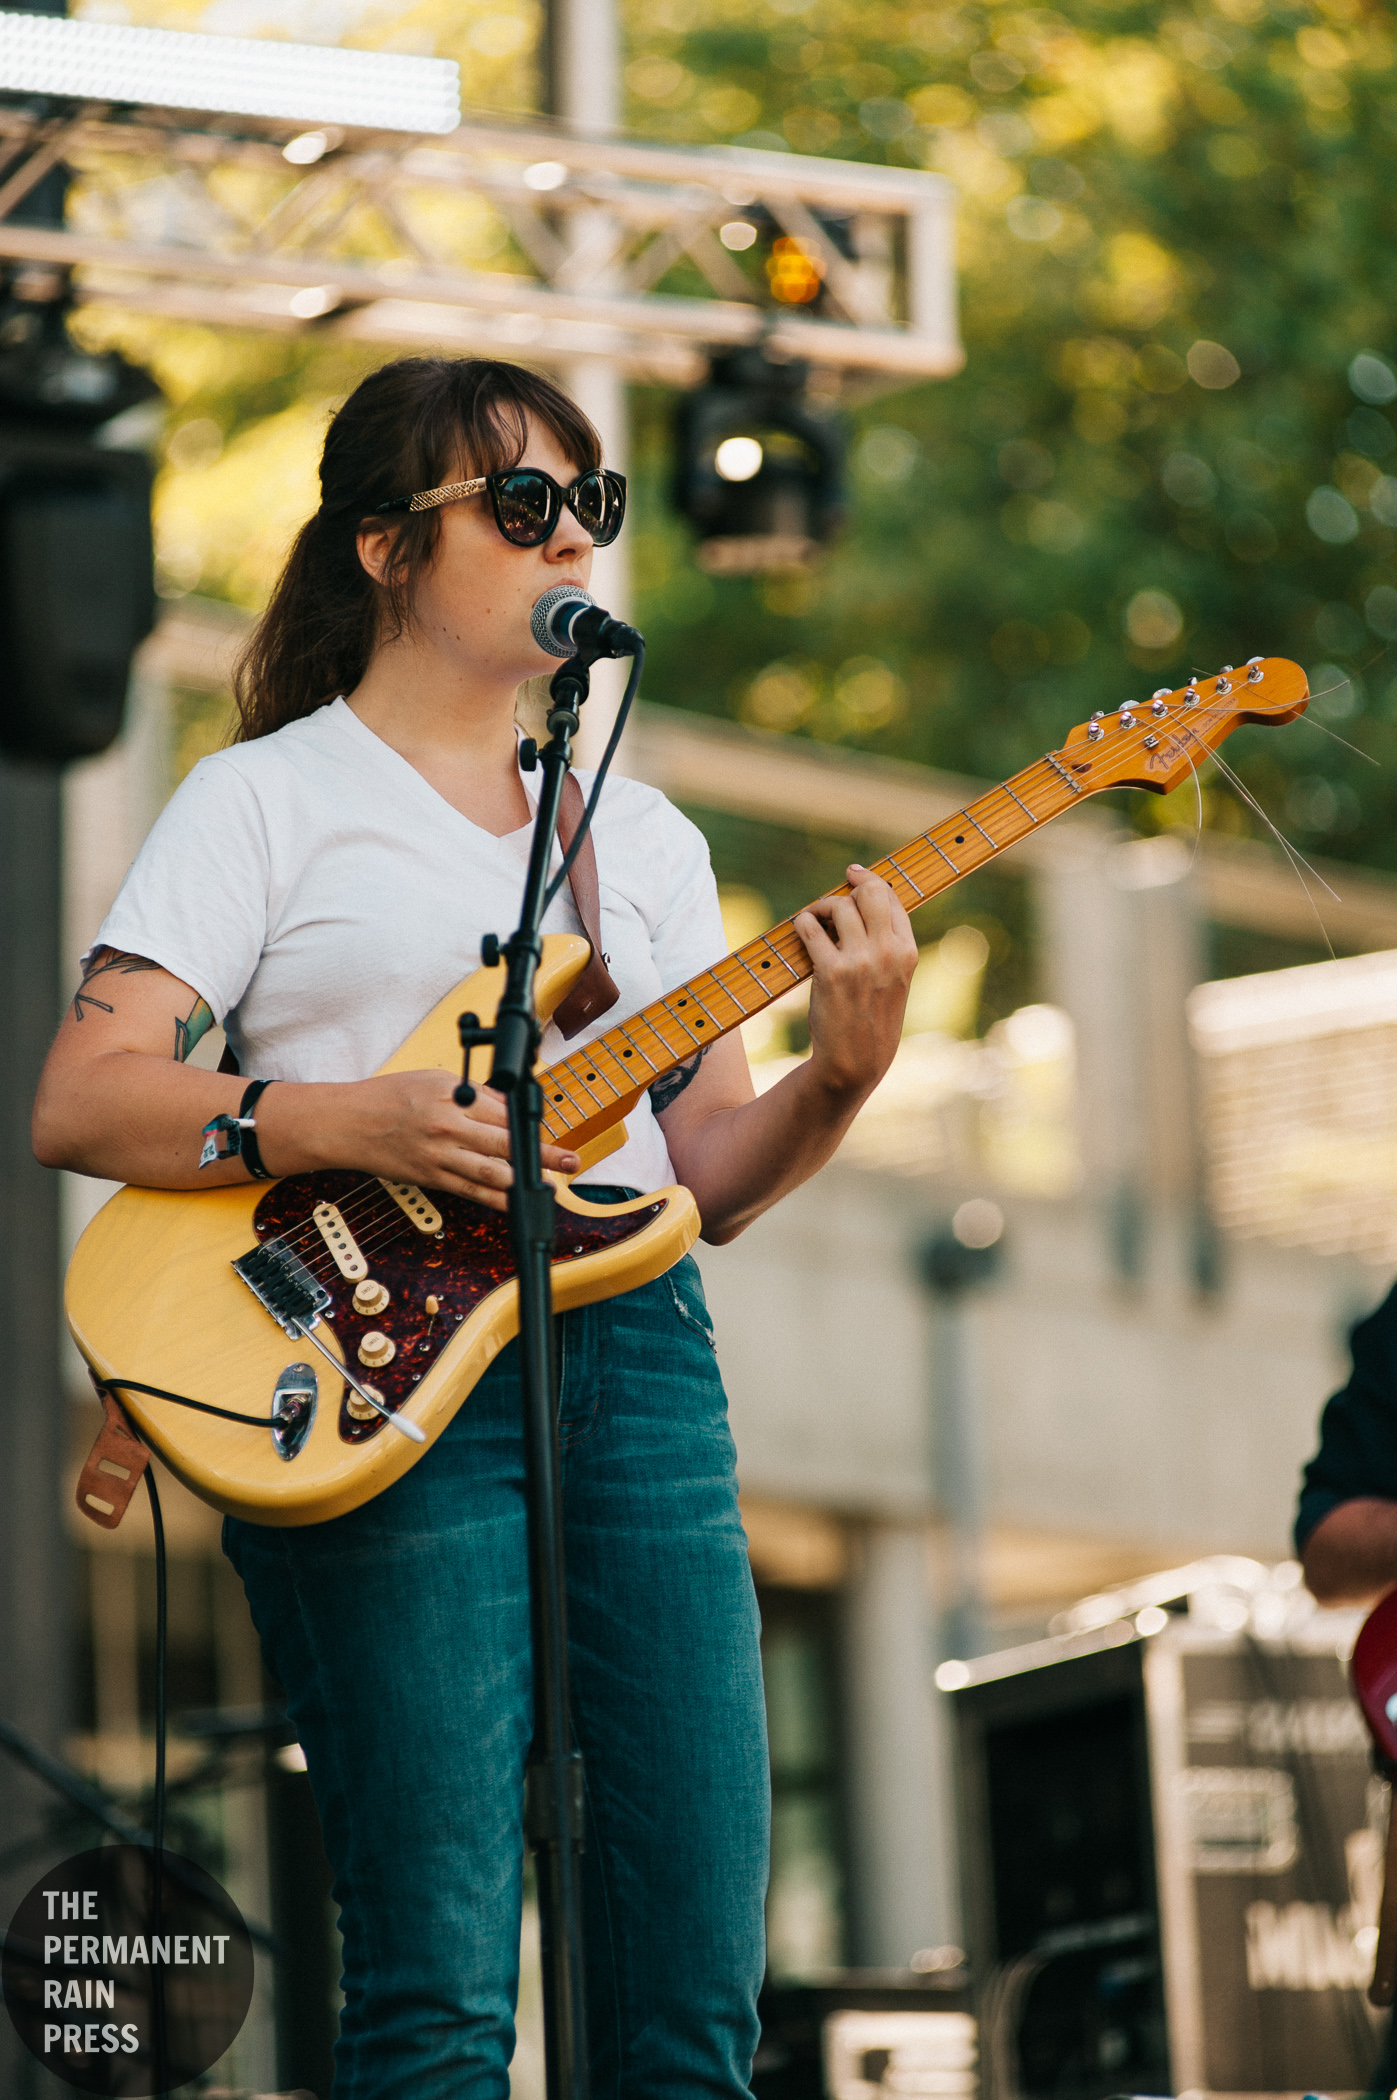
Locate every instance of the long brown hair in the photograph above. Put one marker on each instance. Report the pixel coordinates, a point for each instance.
(414, 424)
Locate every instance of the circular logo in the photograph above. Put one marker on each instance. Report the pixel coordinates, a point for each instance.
(113, 1999)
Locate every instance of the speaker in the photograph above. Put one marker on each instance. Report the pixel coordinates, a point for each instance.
(1171, 1860)
(77, 590)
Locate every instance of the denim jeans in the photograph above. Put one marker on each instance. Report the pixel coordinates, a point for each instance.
(400, 1634)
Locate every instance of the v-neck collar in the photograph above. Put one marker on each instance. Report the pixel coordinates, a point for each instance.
(417, 783)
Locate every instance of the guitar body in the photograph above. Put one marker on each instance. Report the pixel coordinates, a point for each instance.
(152, 1295)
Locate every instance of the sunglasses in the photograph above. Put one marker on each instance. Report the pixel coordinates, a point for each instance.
(529, 503)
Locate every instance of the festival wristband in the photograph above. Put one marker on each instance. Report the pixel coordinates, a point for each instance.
(235, 1137)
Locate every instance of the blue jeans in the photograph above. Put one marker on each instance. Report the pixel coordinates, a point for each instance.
(400, 1634)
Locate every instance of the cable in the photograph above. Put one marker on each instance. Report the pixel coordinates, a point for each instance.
(157, 1973)
(204, 1407)
(632, 688)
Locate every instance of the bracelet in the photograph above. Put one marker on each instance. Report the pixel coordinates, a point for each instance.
(235, 1137)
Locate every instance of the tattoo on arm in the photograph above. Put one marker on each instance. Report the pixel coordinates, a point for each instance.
(189, 1032)
(670, 1085)
(105, 960)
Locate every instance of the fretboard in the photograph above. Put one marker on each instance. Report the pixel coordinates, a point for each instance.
(594, 1083)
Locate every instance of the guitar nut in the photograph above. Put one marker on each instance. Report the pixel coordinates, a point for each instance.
(370, 1298)
(377, 1349)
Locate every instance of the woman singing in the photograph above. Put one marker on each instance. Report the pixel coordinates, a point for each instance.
(315, 890)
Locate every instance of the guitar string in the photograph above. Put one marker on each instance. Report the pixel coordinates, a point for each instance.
(592, 1054)
(357, 1199)
(557, 1075)
(925, 843)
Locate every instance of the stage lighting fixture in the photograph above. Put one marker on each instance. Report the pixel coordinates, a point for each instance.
(758, 470)
(241, 76)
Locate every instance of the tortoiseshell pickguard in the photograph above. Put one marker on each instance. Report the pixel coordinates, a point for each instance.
(459, 1266)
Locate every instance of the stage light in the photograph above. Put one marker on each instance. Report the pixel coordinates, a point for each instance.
(737, 235)
(758, 471)
(245, 76)
(738, 459)
(545, 175)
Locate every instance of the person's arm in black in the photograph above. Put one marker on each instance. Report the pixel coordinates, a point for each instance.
(1346, 1526)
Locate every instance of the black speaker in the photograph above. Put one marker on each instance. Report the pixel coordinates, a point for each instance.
(77, 591)
(1170, 1852)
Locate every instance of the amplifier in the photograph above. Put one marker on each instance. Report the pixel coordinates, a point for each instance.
(1171, 1854)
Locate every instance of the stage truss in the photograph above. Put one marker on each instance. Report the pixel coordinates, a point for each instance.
(509, 239)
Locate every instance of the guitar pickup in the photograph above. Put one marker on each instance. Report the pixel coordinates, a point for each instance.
(285, 1286)
(340, 1241)
(422, 1211)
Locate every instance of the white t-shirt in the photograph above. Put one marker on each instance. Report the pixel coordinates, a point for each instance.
(322, 897)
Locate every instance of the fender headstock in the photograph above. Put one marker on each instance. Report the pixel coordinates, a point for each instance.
(1156, 743)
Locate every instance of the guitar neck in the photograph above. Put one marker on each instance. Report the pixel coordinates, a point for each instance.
(591, 1087)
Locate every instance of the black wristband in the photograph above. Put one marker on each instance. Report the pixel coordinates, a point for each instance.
(248, 1150)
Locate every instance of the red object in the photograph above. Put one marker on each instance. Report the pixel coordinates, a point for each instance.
(1374, 1670)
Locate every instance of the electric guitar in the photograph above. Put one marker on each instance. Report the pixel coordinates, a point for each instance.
(1374, 1672)
(200, 1309)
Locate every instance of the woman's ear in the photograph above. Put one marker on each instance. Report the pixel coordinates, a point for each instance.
(375, 545)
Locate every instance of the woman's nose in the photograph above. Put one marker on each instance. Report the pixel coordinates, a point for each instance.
(569, 541)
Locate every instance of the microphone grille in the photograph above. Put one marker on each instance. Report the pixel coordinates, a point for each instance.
(545, 607)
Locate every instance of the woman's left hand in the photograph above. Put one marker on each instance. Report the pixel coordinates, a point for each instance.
(863, 952)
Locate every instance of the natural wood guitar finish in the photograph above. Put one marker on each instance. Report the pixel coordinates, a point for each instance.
(416, 1289)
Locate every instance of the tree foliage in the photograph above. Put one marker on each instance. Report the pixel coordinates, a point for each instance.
(1173, 441)
(1171, 445)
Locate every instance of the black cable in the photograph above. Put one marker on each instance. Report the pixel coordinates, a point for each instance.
(203, 1407)
(632, 688)
(157, 1973)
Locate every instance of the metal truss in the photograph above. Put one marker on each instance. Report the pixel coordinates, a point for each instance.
(499, 238)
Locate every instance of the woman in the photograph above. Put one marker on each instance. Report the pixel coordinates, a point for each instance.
(316, 889)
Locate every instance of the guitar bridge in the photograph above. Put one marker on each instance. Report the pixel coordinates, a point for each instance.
(285, 1286)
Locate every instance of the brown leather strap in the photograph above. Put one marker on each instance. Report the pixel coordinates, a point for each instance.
(594, 992)
(114, 1467)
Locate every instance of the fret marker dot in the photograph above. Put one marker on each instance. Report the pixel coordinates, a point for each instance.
(557, 1097)
(698, 1024)
(591, 1075)
(625, 1053)
(960, 838)
(766, 965)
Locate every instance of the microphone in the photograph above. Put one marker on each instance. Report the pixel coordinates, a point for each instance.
(567, 621)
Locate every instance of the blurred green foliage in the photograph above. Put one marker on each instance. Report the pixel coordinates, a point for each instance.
(1177, 236)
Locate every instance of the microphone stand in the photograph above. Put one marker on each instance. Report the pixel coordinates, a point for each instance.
(553, 1820)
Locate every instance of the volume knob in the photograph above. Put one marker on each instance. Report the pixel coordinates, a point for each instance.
(376, 1350)
(370, 1298)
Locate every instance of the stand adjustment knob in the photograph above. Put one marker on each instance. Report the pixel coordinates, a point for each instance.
(490, 951)
(528, 755)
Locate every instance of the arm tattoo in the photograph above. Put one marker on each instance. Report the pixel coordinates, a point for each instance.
(189, 1032)
(670, 1085)
(104, 960)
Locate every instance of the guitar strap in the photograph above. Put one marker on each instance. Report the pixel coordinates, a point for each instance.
(595, 991)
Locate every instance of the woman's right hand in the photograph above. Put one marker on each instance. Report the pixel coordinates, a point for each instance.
(402, 1126)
